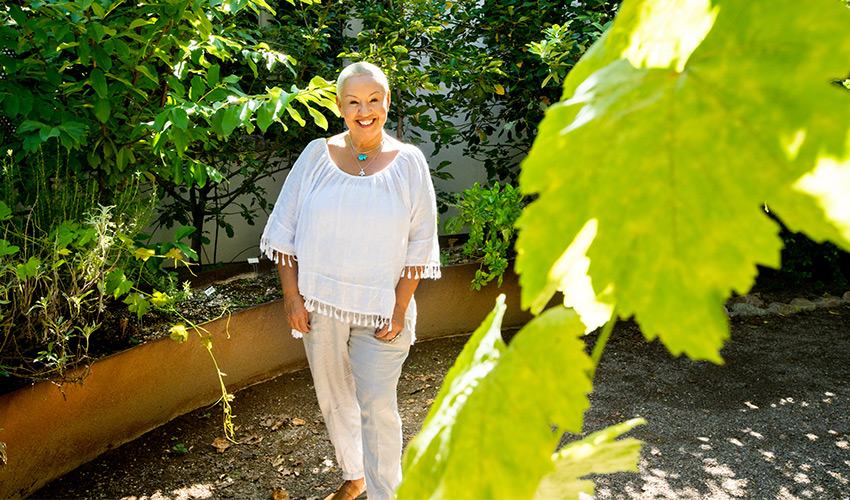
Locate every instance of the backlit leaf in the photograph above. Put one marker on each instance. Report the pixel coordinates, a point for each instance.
(597, 453)
(461, 446)
(677, 127)
(144, 254)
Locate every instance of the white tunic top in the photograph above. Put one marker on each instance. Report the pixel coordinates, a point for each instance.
(353, 237)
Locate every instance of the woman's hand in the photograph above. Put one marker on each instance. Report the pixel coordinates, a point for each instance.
(391, 335)
(293, 302)
(296, 313)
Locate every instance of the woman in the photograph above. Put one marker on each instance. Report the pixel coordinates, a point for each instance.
(352, 232)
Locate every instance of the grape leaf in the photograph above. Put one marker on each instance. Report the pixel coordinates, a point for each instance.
(678, 127)
(541, 380)
(597, 453)
(117, 283)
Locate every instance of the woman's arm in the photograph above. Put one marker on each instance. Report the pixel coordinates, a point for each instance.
(293, 302)
(403, 293)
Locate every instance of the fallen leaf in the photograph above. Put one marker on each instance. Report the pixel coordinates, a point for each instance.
(221, 444)
(252, 439)
(280, 493)
(277, 425)
(298, 421)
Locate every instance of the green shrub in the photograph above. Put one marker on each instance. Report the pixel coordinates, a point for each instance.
(490, 214)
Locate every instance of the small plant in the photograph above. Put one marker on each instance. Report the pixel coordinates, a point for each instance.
(179, 447)
(490, 215)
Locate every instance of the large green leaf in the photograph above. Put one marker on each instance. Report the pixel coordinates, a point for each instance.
(679, 125)
(539, 381)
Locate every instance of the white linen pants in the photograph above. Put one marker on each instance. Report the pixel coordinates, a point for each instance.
(356, 377)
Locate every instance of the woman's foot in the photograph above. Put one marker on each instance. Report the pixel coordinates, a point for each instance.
(349, 490)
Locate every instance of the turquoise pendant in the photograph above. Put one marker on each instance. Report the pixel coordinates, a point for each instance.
(362, 157)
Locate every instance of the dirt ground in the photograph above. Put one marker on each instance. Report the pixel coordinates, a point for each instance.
(773, 422)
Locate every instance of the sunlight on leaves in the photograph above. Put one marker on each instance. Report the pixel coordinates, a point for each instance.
(675, 163)
(830, 183)
(661, 41)
(597, 453)
(144, 254)
(544, 372)
(179, 333)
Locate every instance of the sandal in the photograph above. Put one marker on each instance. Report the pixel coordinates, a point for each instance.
(348, 490)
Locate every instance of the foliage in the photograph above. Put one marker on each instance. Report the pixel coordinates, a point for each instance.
(416, 43)
(311, 35)
(490, 214)
(461, 448)
(650, 206)
(805, 261)
(140, 88)
(448, 71)
(57, 262)
(500, 127)
(692, 111)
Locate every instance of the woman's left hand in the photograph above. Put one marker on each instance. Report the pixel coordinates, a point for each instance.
(391, 335)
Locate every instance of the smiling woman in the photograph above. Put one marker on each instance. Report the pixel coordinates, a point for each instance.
(363, 99)
(352, 233)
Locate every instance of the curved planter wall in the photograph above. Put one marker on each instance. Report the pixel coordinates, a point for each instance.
(51, 430)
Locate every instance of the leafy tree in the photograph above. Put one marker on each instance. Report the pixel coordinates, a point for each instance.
(133, 89)
(420, 44)
(499, 127)
(311, 35)
(451, 84)
(652, 174)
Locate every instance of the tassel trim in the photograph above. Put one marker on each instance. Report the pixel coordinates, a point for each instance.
(421, 272)
(277, 256)
(362, 319)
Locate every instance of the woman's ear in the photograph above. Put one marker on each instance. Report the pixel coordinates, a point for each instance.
(338, 105)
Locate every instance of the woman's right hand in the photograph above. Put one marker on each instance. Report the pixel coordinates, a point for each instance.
(296, 313)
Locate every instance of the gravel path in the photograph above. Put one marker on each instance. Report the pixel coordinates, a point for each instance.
(772, 423)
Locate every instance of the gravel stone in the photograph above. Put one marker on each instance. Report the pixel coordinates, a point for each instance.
(803, 304)
(745, 309)
(780, 308)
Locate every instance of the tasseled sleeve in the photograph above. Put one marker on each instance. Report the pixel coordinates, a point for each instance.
(278, 240)
(423, 250)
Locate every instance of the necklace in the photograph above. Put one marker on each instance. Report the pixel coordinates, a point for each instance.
(362, 156)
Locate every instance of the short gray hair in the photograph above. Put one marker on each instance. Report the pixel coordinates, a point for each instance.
(359, 69)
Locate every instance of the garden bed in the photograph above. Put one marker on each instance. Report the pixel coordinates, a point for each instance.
(50, 429)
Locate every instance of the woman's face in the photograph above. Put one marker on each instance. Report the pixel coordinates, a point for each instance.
(364, 104)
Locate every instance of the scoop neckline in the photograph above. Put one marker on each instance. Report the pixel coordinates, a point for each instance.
(356, 176)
